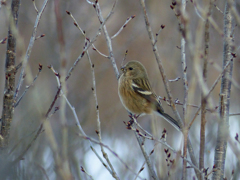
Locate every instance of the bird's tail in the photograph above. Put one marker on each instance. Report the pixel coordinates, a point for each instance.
(172, 121)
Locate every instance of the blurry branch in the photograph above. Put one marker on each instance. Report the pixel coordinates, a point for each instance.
(42, 169)
(233, 81)
(83, 170)
(123, 26)
(234, 146)
(42, 35)
(40, 129)
(3, 41)
(27, 87)
(35, 7)
(87, 45)
(29, 49)
(161, 28)
(209, 92)
(224, 101)
(209, 17)
(8, 97)
(113, 152)
(232, 6)
(208, 7)
(218, 8)
(174, 80)
(234, 114)
(185, 99)
(64, 153)
(166, 84)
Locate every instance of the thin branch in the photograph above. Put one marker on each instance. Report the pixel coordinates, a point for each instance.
(27, 87)
(3, 41)
(107, 37)
(94, 90)
(113, 152)
(35, 7)
(161, 28)
(83, 170)
(123, 26)
(90, 41)
(29, 49)
(163, 142)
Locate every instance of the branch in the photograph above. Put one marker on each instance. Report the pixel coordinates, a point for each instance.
(8, 98)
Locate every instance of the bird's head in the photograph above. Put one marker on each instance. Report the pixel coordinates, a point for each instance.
(134, 69)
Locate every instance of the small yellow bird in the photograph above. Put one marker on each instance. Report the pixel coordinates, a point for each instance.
(137, 95)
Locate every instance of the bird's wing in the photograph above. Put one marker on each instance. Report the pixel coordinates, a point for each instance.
(143, 88)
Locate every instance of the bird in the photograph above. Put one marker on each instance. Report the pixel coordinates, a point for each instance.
(136, 94)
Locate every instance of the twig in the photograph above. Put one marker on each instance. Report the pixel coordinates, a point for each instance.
(125, 56)
(35, 7)
(107, 37)
(232, 5)
(210, 18)
(218, 8)
(174, 80)
(3, 41)
(123, 26)
(90, 42)
(163, 142)
(84, 34)
(113, 152)
(77, 120)
(161, 28)
(95, 49)
(94, 90)
(27, 87)
(29, 49)
(83, 170)
(42, 35)
(234, 114)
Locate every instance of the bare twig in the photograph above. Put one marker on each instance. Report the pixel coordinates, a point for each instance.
(234, 114)
(35, 7)
(27, 87)
(29, 49)
(84, 34)
(123, 26)
(113, 152)
(83, 170)
(161, 28)
(91, 41)
(174, 80)
(42, 35)
(94, 90)
(163, 142)
(107, 37)
(3, 41)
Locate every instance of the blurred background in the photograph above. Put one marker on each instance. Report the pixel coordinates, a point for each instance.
(38, 162)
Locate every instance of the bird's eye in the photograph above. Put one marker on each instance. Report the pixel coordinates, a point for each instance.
(130, 68)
